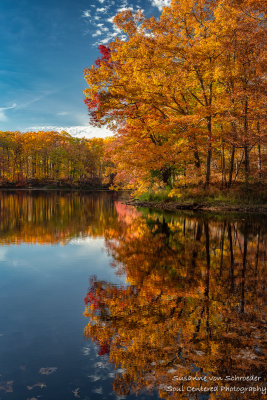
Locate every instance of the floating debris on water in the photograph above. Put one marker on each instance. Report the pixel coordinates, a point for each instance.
(48, 371)
(39, 384)
(76, 393)
(7, 386)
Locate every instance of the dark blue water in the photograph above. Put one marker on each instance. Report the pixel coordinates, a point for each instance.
(41, 314)
(42, 287)
(51, 244)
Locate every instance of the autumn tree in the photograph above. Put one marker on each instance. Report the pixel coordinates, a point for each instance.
(184, 93)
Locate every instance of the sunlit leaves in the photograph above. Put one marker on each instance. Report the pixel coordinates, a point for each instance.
(50, 158)
(184, 93)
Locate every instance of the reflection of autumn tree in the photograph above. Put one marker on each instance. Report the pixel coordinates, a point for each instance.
(53, 217)
(193, 304)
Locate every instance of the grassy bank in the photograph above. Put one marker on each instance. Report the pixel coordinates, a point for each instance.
(252, 198)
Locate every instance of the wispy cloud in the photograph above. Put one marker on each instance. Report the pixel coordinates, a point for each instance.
(62, 113)
(97, 33)
(102, 9)
(86, 14)
(160, 3)
(36, 99)
(3, 116)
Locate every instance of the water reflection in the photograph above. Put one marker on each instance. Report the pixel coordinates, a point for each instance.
(53, 217)
(193, 303)
(192, 313)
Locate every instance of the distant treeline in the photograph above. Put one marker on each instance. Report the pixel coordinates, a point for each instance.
(43, 158)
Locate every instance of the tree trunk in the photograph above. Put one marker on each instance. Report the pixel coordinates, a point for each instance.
(259, 160)
(242, 303)
(223, 165)
(232, 261)
(197, 160)
(246, 150)
(231, 170)
(246, 162)
(207, 183)
(207, 284)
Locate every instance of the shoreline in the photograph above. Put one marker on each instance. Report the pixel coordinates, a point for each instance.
(162, 205)
(48, 189)
(175, 206)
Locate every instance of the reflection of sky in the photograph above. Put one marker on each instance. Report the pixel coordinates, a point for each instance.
(41, 319)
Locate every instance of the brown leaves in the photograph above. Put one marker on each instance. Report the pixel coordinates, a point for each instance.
(7, 386)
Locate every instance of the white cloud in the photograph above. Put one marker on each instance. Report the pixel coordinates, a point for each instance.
(97, 33)
(86, 131)
(160, 3)
(3, 110)
(111, 19)
(8, 108)
(86, 14)
(124, 9)
(35, 99)
(101, 10)
(109, 9)
(3, 116)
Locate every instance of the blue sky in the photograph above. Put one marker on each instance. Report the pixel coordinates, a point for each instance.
(44, 47)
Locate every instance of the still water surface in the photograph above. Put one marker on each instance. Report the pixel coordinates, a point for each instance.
(103, 301)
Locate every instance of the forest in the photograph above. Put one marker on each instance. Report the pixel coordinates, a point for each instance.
(50, 158)
(185, 97)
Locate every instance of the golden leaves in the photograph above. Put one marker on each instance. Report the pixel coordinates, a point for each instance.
(184, 76)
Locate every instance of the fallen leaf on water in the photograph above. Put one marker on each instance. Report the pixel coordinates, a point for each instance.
(199, 353)
(39, 384)
(48, 371)
(7, 386)
(76, 393)
(247, 354)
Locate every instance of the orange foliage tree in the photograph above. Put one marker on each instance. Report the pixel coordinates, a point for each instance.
(185, 94)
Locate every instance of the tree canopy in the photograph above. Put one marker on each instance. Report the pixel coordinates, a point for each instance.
(185, 94)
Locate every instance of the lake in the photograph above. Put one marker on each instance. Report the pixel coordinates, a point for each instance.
(99, 300)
